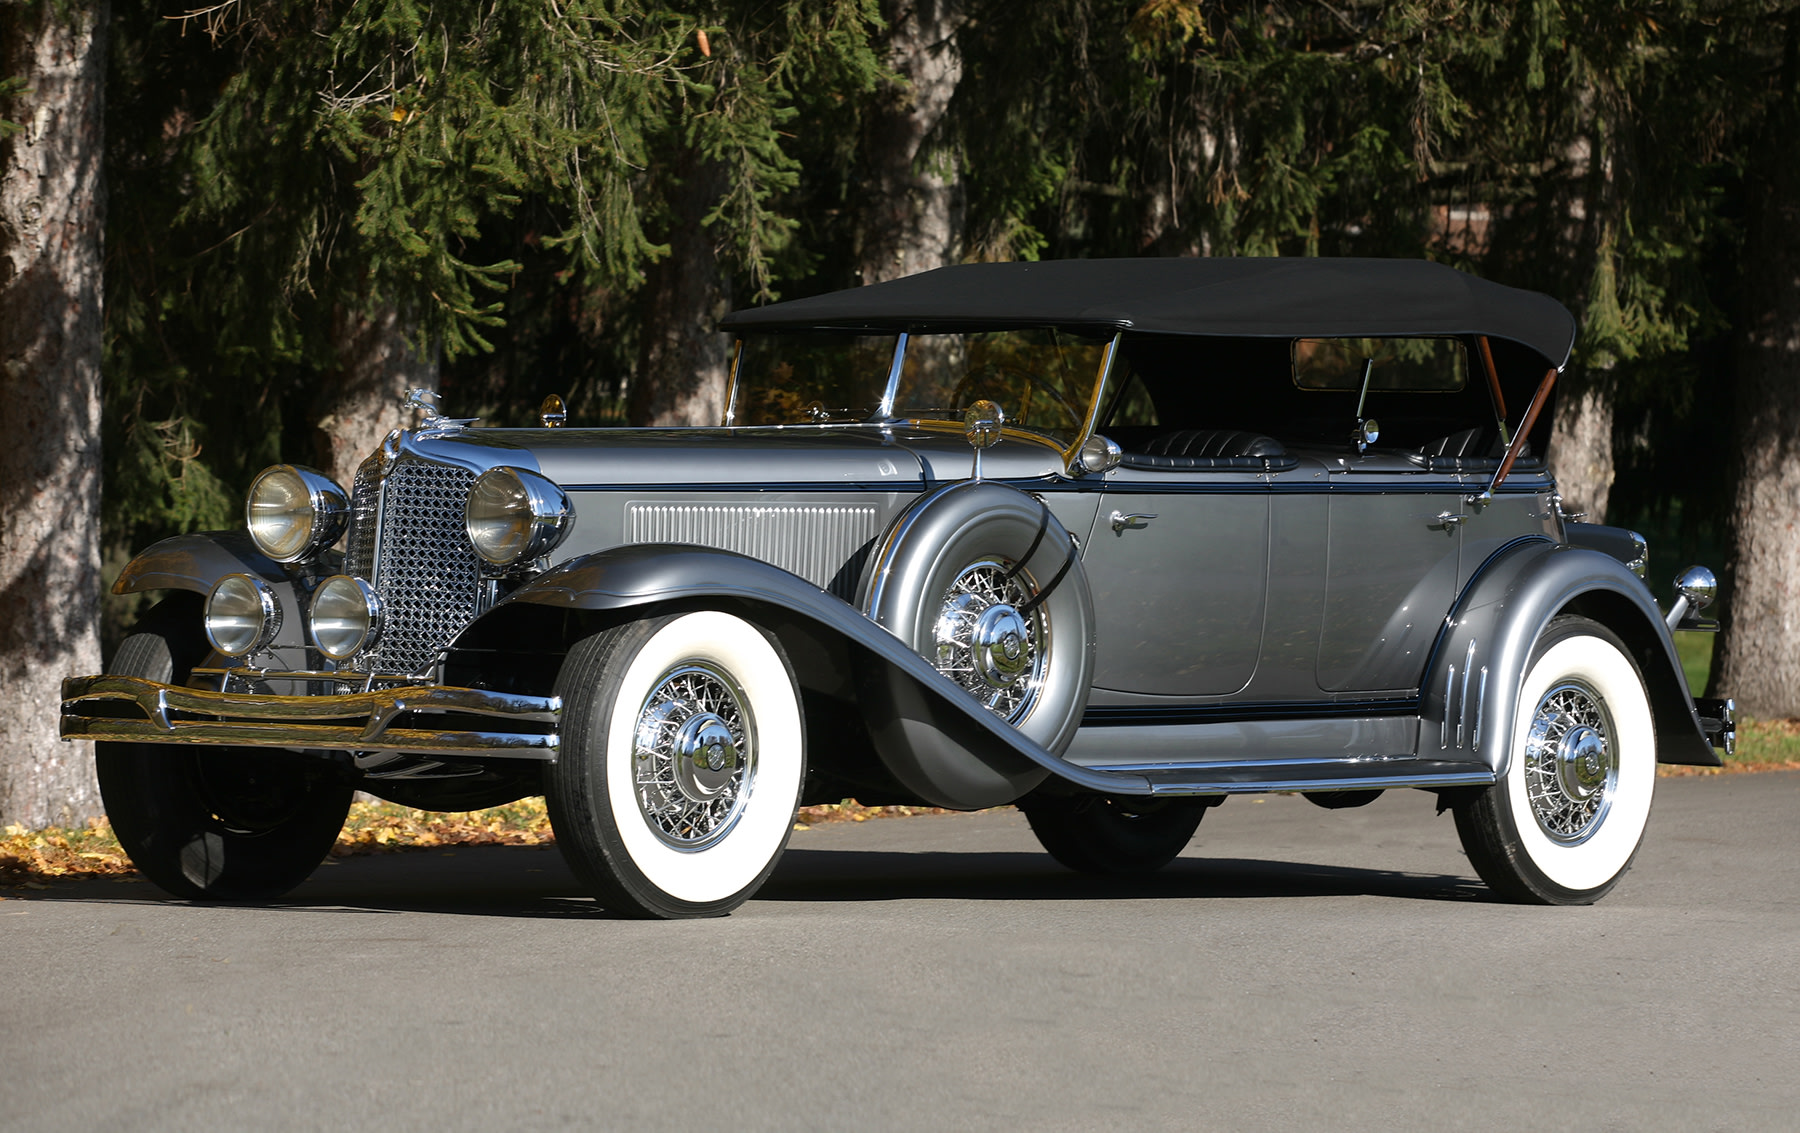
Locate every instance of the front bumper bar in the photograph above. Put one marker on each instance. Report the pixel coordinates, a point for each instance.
(356, 721)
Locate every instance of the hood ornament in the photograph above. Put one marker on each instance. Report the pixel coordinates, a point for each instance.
(426, 401)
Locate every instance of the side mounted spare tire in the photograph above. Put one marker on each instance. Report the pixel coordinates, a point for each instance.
(982, 581)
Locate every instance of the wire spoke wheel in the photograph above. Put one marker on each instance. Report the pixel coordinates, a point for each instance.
(693, 760)
(1571, 764)
(989, 639)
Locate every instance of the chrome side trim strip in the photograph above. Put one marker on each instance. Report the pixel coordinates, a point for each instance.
(1372, 782)
(1462, 706)
(1480, 702)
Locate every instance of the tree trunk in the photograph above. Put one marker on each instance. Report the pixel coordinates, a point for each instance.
(1758, 658)
(51, 212)
(359, 401)
(684, 362)
(1581, 453)
(911, 219)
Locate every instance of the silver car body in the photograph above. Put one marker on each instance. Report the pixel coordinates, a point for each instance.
(1332, 620)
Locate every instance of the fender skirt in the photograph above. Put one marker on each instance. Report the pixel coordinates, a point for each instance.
(961, 755)
(1478, 664)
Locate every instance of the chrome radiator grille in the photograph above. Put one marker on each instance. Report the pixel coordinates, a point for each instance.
(821, 543)
(418, 558)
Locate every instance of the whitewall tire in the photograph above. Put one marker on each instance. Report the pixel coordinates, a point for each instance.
(682, 758)
(1563, 824)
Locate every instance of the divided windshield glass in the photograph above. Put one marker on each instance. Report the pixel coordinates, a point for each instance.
(1042, 378)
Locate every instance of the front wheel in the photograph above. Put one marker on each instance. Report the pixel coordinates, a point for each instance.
(1097, 834)
(213, 823)
(1563, 825)
(683, 754)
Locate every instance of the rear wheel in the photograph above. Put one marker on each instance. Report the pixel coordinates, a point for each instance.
(1563, 825)
(213, 823)
(1099, 834)
(682, 758)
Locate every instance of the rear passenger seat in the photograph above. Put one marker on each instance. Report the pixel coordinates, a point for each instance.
(1219, 449)
(1462, 452)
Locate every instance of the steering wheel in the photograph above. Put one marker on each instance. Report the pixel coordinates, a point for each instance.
(1002, 375)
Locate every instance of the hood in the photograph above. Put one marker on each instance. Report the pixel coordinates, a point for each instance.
(901, 455)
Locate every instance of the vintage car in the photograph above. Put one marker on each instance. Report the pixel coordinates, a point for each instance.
(1109, 540)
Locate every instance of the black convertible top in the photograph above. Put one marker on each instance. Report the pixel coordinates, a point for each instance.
(1275, 297)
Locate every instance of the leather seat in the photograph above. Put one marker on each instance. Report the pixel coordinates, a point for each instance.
(1465, 452)
(1224, 449)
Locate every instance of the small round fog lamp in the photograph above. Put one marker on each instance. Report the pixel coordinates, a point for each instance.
(346, 617)
(242, 615)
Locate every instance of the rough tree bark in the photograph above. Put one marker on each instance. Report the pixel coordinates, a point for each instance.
(1581, 453)
(1758, 658)
(911, 219)
(51, 211)
(359, 400)
(684, 361)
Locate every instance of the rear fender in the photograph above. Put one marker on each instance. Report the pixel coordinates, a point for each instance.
(950, 751)
(1472, 682)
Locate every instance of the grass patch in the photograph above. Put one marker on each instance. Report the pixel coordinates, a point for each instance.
(29, 858)
(1696, 653)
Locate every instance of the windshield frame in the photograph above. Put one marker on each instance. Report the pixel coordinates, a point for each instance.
(884, 413)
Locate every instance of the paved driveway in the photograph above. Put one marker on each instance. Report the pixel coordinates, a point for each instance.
(1297, 968)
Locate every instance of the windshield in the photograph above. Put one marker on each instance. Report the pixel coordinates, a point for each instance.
(1042, 378)
(810, 379)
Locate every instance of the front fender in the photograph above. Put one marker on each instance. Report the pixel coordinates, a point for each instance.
(1472, 682)
(195, 562)
(963, 755)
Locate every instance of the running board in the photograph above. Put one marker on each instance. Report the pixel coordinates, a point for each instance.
(1260, 776)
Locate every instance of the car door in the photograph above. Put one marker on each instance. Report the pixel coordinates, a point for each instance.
(1392, 555)
(1178, 565)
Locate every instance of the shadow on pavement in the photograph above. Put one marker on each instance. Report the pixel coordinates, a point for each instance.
(861, 875)
(533, 882)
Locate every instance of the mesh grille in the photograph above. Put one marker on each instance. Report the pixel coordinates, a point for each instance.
(424, 568)
(365, 506)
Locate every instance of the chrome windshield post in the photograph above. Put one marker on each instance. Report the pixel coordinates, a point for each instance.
(885, 412)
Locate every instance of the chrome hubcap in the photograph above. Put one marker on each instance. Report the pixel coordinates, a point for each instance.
(693, 760)
(987, 642)
(1571, 764)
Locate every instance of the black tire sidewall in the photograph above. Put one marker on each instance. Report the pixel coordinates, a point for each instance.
(157, 798)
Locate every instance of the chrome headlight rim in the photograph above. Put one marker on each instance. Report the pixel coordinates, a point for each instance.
(355, 610)
(254, 598)
(514, 516)
(326, 512)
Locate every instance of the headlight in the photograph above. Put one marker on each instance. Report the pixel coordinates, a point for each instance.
(514, 516)
(293, 512)
(346, 617)
(242, 615)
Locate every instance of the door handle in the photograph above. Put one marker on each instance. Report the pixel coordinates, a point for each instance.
(1449, 520)
(1120, 521)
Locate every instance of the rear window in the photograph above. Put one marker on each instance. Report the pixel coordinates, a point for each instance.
(1416, 365)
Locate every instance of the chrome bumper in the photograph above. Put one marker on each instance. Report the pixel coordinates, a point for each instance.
(356, 721)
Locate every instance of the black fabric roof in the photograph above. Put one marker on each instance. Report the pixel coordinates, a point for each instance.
(1278, 297)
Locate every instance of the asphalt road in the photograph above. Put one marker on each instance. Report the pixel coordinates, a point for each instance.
(1296, 969)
